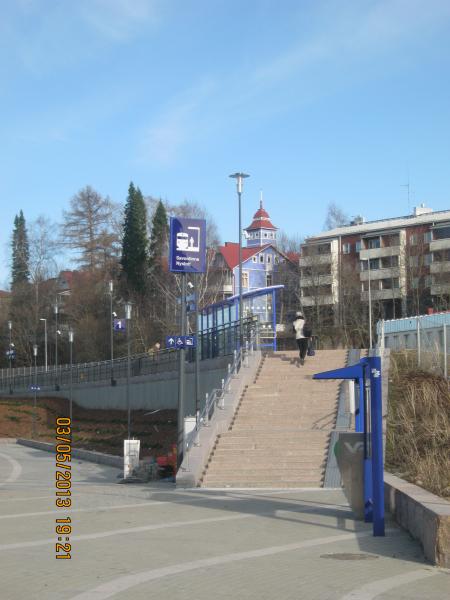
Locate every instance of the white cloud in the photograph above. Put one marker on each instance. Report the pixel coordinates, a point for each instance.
(178, 123)
(349, 32)
(118, 20)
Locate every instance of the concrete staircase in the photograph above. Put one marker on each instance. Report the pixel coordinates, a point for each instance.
(280, 433)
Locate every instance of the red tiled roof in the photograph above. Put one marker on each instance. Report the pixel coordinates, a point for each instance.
(261, 219)
(230, 252)
(293, 256)
(4, 294)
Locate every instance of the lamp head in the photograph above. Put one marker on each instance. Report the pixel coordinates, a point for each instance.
(239, 177)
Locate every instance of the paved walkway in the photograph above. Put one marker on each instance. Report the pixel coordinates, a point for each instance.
(145, 542)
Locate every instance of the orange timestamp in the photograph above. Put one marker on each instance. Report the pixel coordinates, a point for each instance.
(63, 485)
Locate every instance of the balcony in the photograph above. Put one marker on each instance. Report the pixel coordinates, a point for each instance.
(316, 280)
(440, 267)
(316, 259)
(379, 252)
(319, 300)
(438, 289)
(440, 245)
(380, 274)
(382, 294)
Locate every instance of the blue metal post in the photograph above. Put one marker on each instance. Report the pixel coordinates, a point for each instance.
(359, 413)
(361, 427)
(274, 320)
(367, 429)
(377, 445)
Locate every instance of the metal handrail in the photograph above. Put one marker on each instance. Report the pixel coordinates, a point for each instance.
(217, 397)
(141, 364)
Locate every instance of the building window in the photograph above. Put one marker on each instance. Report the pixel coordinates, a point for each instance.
(254, 259)
(413, 239)
(358, 246)
(269, 259)
(415, 283)
(413, 261)
(265, 234)
(428, 281)
(428, 259)
(276, 260)
(244, 279)
(261, 258)
(269, 280)
(443, 233)
(387, 262)
(324, 249)
(373, 243)
(427, 236)
(346, 248)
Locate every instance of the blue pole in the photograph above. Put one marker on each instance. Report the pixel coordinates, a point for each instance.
(359, 416)
(361, 427)
(377, 445)
(274, 320)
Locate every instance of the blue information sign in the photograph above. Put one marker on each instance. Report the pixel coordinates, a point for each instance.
(120, 324)
(187, 249)
(180, 341)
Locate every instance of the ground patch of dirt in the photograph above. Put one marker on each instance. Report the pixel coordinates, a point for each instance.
(100, 430)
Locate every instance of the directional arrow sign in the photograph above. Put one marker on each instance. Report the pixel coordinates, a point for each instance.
(170, 341)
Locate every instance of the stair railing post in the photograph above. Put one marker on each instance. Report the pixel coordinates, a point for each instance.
(206, 419)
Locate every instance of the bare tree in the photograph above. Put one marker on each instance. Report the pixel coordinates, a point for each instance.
(335, 217)
(88, 229)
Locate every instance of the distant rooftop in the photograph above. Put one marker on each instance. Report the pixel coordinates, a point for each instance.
(421, 216)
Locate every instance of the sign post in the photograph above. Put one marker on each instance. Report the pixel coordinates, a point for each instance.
(187, 254)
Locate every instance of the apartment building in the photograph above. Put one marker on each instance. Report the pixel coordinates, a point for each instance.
(405, 261)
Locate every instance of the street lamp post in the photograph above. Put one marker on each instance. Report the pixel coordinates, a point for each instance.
(71, 374)
(45, 343)
(111, 326)
(56, 307)
(370, 305)
(239, 179)
(128, 325)
(35, 351)
(10, 357)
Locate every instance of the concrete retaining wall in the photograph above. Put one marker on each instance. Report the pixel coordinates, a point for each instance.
(95, 457)
(424, 515)
(149, 392)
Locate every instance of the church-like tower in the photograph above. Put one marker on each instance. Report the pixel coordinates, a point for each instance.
(261, 231)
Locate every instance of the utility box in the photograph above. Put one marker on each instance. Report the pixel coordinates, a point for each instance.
(131, 449)
(349, 452)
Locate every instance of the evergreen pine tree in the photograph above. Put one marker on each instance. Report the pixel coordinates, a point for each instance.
(158, 239)
(135, 242)
(20, 272)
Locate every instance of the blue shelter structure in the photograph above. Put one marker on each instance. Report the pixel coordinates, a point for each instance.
(259, 306)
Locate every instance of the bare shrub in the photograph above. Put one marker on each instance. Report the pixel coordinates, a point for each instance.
(417, 437)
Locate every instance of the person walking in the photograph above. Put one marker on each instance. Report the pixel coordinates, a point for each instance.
(301, 336)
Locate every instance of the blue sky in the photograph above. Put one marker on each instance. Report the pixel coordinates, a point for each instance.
(320, 101)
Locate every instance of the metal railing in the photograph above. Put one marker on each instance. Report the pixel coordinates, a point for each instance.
(213, 343)
(427, 336)
(216, 399)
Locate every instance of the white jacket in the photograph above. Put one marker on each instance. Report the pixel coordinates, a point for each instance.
(298, 326)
